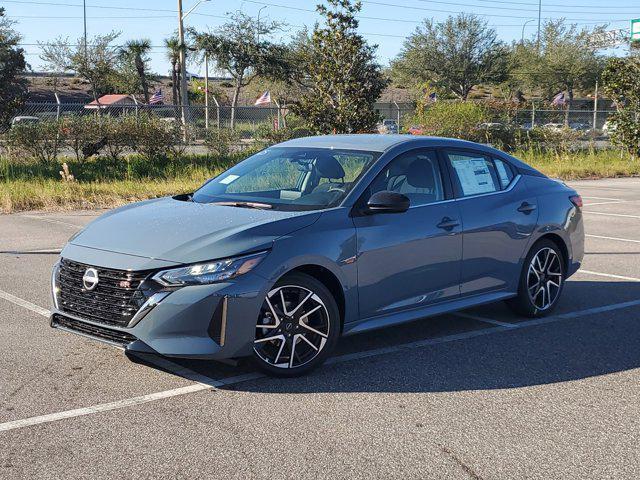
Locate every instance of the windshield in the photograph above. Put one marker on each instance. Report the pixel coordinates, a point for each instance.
(288, 178)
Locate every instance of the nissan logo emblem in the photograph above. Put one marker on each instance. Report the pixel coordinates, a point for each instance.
(90, 279)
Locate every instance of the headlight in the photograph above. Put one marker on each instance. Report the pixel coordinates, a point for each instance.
(211, 272)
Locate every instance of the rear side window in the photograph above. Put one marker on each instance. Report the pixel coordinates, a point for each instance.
(504, 171)
(476, 174)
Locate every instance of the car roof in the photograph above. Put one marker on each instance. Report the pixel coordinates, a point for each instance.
(379, 143)
(373, 142)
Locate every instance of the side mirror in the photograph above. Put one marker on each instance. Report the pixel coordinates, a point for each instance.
(387, 202)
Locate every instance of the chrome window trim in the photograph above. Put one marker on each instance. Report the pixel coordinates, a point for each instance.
(511, 186)
(497, 192)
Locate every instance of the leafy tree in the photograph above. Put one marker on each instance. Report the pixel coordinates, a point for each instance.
(621, 79)
(239, 47)
(13, 87)
(339, 69)
(172, 44)
(565, 62)
(454, 55)
(136, 52)
(96, 64)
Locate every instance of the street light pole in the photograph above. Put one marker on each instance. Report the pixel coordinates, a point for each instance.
(525, 24)
(84, 8)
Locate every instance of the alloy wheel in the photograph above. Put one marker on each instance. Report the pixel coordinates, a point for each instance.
(544, 278)
(293, 327)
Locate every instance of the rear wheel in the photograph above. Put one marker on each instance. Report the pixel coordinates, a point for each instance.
(541, 281)
(297, 328)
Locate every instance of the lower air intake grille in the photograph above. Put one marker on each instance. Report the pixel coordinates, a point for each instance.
(101, 333)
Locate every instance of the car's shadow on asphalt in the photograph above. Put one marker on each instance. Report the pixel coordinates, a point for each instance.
(559, 351)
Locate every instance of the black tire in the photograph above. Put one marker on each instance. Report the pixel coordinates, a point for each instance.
(527, 302)
(316, 318)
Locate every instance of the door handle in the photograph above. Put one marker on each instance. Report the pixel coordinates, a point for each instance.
(448, 223)
(526, 208)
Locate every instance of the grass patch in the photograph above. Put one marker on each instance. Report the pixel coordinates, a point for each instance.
(104, 183)
(588, 164)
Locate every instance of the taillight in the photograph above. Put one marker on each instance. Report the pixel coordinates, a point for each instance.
(576, 200)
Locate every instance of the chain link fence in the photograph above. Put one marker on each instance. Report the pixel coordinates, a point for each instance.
(247, 120)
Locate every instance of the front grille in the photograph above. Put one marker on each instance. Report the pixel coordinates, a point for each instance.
(114, 301)
(114, 336)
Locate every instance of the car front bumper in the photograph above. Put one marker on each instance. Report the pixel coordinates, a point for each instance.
(215, 321)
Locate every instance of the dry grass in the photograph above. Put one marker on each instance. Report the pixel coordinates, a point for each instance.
(38, 189)
(583, 165)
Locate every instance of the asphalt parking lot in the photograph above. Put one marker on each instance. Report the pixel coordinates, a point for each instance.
(482, 394)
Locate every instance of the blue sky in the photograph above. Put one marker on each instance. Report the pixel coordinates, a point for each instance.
(384, 22)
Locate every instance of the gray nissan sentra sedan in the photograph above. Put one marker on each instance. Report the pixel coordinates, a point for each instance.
(316, 238)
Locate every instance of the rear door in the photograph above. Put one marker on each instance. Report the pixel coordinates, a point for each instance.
(499, 216)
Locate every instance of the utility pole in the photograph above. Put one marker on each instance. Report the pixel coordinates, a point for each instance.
(206, 91)
(183, 65)
(539, 21)
(84, 8)
(595, 108)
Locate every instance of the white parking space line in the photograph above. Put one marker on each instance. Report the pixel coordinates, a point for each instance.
(605, 214)
(613, 238)
(51, 220)
(336, 360)
(161, 362)
(601, 203)
(608, 275)
(602, 198)
(484, 319)
(24, 303)
(105, 407)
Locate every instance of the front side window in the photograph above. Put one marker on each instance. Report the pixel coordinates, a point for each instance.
(415, 174)
(289, 178)
(475, 173)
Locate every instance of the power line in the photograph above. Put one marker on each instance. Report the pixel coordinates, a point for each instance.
(300, 9)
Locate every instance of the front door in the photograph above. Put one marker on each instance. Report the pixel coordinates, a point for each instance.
(411, 259)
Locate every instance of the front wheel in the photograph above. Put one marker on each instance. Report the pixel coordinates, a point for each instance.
(297, 328)
(541, 281)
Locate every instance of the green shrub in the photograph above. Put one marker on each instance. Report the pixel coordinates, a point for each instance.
(454, 119)
(219, 141)
(84, 135)
(39, 140)
(118, 135)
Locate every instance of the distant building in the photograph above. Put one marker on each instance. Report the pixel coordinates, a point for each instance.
(107, 101)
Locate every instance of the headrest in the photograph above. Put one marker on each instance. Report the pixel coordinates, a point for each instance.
(420, 174)
(328, 167)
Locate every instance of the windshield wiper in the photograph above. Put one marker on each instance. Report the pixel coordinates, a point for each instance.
(256, 205)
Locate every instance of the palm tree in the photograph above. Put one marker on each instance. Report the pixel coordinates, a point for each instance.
(172, 44)
(137, 51)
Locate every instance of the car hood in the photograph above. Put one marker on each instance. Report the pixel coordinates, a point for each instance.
(187, 232)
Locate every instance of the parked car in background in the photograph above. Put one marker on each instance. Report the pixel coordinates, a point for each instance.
(319, 237)
(388, 126)
(24, 119)
(580, 126)
(492, 126)
(415, 130)
(554, 126)
(608, 128)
